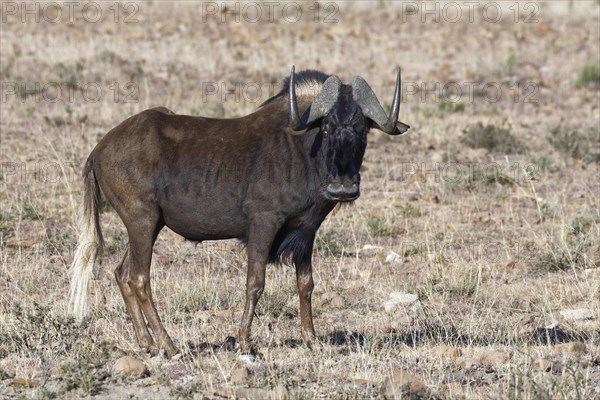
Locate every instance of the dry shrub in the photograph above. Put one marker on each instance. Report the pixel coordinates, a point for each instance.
(492, 138)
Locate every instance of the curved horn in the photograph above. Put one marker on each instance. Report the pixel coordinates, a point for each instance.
(366, 99)
(322, 103)
(295, 122)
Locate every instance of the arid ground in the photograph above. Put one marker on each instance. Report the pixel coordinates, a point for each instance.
(468, 268)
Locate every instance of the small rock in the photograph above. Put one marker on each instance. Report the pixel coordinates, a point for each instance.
(241, 375)
(470, 363)
(390, 305)
(129, 366)
(369, 250)
(249, 358)
(543, 364)
(399, 298)
(493, 357)
(404, 298)
(403, 384)
(433, 199)
(413, 196)
(577, 314)
(571, 347)
(452, 352)
(592, 272)
(361, 381)
(338, 302)
(393, 257)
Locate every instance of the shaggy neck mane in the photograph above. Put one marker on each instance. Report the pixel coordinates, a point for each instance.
(307, 83)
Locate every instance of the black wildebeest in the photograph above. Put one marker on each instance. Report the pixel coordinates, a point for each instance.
(293, 159)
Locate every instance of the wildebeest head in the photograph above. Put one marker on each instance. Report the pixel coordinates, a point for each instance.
(344, 113)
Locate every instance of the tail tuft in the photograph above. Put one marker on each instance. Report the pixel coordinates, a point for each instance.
(89, 245)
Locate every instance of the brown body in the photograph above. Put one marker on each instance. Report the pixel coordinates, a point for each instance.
(250, 178)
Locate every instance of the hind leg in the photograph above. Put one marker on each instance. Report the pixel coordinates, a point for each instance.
(134, 281)
(140, 247)
(142, 333)
(143, 292)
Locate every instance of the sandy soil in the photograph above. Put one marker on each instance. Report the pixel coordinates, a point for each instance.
(487, 210)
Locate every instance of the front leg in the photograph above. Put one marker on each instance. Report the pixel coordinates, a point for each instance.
(305, 283)
(260, 239)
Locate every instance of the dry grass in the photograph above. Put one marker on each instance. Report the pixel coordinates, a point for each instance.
(496, 237)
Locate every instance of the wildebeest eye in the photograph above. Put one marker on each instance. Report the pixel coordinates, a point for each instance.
(325, 133)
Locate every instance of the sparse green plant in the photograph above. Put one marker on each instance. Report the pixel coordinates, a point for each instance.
(29, 111)
(545, 163)
(500, 178)
(28, 210)
(274, 303)
(570, 253)
(589, 75)
(215, 110)
(329, 242)
(464, 284)
(37, 330)
(6, 71)
(84, 369)
(510, 64)
(115, 244)
(8, 220)
(408, 210)
(103, 204)
(378, 226)
(524, 383)
(551, 260)
(492, 138)
(577, 144)
(238, 55)
(135, 71)
(67, 74)
(56, 120)
(451, 106)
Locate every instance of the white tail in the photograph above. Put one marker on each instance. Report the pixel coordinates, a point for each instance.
(89, 246)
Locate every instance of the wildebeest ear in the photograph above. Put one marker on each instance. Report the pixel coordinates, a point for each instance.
(401, 128)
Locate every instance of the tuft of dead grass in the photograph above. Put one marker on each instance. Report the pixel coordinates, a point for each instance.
(492, 138)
